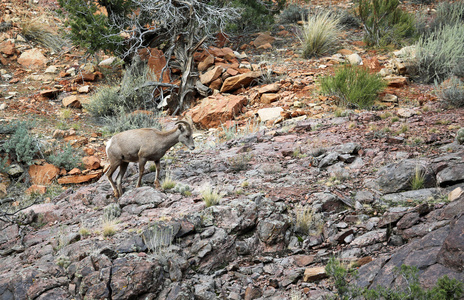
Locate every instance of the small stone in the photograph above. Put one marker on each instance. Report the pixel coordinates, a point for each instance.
(268, 114)
(71, 101)
(455, 194)
(390, 98)
(314, 274)
(51, 70)
(84, 89)
(15, 170)
(354, 59)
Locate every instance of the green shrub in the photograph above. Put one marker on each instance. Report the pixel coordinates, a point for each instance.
(4, 165)
(339, 274)
(66, 157)
(158, 237)
(92, 30)
(184, 189)
(353, 85)
(126, 121)
(452, 92)
(384, 22)
(448, 13)
(254, 15)
(292, 14)
(439, 53)
(109, 101)
(21, 146)
(460, 136)
(319, 34)
(445, 288)
(111, 211)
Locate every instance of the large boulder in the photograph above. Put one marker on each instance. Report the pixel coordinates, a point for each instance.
(238, 81)
(396, 177)
(32, 58)
(215, 110)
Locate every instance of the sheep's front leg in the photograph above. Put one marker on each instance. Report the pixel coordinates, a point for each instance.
(142, 162)
(158, 166)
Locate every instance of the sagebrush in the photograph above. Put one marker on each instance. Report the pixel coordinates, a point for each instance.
(440, 54)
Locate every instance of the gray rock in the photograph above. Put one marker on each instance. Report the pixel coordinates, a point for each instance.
(348, 148)
(451, 175)
(272, 231)
(369, 238)
(141, 196)
(364, 197)
(416, 195)
(329, 159)
(396, 177)
(15, 170)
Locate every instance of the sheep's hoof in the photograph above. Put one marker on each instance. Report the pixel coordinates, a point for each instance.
(157, 184)
(116, 194)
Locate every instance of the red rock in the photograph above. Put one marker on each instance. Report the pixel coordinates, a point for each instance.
(314, 274)
(266, 46)
(156, 63)
(36, 189)
(76, 141)
(373, 64)
(215, 110)
(211, 75)
(50, 93)
(216, 84)
(269, 88)
(7, 47)
(43, 175)
(238, 81)
(73, 179)
(345, 52)
(221, 39)
(269, 98)
(89, 151)
(74, 171)
(71, 101)
(397, 82)
(262, 39)
(32, 58)
(231, 71)
(91, 162)
(206, 63)
(303, 260)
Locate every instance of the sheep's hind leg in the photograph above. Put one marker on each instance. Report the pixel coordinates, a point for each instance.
(142, 163)
(122, 171)
(109, 174)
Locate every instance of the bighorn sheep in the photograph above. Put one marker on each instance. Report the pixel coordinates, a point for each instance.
(142, 145)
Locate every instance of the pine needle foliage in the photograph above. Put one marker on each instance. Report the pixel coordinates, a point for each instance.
(384, 22)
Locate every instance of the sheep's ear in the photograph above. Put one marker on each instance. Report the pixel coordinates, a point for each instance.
(181, 128)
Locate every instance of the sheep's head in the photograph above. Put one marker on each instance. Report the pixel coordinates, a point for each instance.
(185, 137)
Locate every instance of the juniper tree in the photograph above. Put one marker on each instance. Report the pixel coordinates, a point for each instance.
(124, 27)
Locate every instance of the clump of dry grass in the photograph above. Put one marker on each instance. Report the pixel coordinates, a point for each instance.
(36, 30)
(320, 34)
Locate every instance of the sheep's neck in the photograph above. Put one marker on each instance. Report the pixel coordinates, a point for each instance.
(170, 140)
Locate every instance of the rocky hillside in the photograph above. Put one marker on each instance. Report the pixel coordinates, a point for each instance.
(374, 189)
